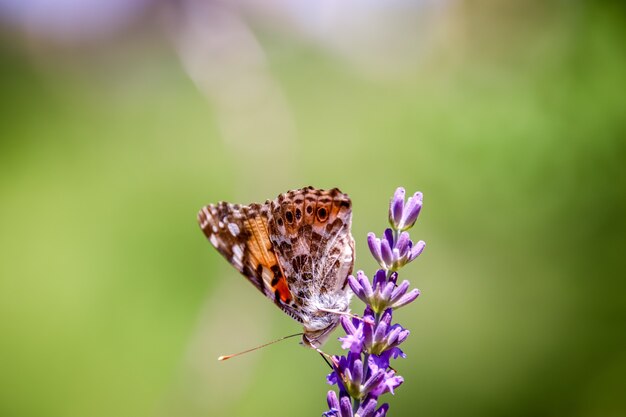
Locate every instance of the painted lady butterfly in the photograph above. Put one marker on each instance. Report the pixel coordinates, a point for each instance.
(296, 249)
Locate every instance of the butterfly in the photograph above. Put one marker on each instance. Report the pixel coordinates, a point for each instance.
(296, 249)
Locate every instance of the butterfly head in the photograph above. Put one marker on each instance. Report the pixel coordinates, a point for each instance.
(316, 338)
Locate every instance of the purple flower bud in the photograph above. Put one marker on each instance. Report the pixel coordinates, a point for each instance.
(403, 244)
(417, 250)
(380, 332)
(379, 279)
(357, 288)
(345, 407)
(406, 299)
(399, 291)
(374, 245)
(411, 211)
(387, 255)
(365, 284)
(388, 235)
(357, 372)
(396, 207)
(333, 404)
(386, 317)
(387, 290)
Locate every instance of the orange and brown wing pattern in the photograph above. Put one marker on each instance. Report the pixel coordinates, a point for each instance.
(310, 231)
(296, 249)
(241, 235)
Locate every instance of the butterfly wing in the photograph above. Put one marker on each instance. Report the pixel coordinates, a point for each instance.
(240, 234)
(310, 232)
(296, 249)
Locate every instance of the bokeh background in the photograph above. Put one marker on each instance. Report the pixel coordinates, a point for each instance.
(120, 119)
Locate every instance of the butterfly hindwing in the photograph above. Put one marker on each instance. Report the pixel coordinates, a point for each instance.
(310, 231)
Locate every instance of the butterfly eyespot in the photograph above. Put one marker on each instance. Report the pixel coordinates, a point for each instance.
(298, 214)
(279, 221)
(289, 217)
(309, 209)
(322, 214)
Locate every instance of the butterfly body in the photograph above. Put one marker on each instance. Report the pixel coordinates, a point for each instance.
(297, 249)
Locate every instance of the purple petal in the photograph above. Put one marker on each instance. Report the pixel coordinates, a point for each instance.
(376, 362)
(331, 378)
(375, 383)
(379, 278)
(379, 362)
(348, 326)
(357, 371)
(333, 401)
(393, 277)
(367, 408)
(393, 382)
(385, 251)
(407, 298)
(367, 287)
(351, 342)
(394, 332)
(368, 336)
(417, 249)
(399, 291)
(382, 411)
(395, 254)
(403, 335)
(387, 316)
(395, 206)
(394, 353)
(403, 243)
(411, 211)
(389, 237)
(356, 287)
(345, 407)
(380, 332)
(374, 244)
(387, 291)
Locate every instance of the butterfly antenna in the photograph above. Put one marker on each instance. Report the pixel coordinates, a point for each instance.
(225, 357)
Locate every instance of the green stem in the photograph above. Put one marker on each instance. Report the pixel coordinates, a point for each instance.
(356, 403)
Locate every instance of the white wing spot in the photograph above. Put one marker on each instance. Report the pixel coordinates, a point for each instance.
(214, 229)
(233, 229)
(238, 256)
(213, 240)
(267, 275)
(204, 221)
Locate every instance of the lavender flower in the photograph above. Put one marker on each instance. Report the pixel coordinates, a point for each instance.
(384, 292)
(392, 252)
(403, 216)
(364, 374)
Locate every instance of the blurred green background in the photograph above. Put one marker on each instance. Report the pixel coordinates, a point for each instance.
(509, 116)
